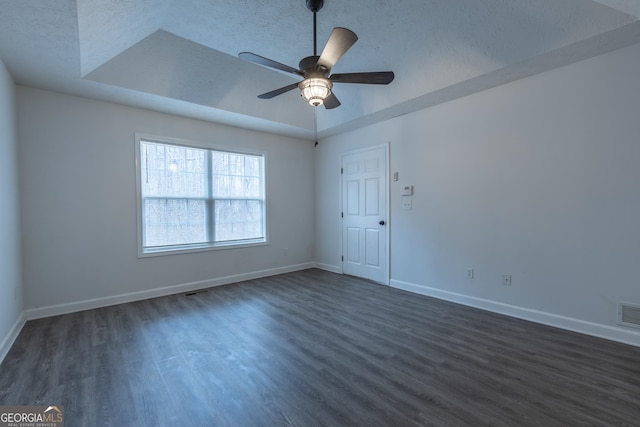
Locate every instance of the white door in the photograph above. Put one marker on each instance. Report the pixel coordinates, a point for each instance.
(364, 214)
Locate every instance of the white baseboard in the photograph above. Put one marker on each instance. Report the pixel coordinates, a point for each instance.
(55, 310)
(328, 267)
(618, 334)
(10, 338)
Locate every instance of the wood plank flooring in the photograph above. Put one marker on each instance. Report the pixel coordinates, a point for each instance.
(313, 348)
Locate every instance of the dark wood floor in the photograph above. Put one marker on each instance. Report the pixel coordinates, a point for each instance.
(313, 348)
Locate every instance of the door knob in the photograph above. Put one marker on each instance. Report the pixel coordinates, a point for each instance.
(381, 222)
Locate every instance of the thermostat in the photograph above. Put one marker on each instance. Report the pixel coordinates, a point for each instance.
(407, 190)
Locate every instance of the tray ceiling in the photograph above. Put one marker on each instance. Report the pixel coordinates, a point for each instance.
(181, 57)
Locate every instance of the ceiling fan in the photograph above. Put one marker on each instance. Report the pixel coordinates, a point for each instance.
(317, 85)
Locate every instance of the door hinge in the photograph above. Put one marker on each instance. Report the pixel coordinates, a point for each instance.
(341, 170)
(342, 258)
(341, 214)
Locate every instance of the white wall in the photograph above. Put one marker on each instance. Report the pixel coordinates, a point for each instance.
(10, 280)
(539, 179)
(78, 204)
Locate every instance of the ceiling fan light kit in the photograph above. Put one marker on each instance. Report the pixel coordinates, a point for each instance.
(316, 88)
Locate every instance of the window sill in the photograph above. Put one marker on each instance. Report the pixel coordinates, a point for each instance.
(186, 249)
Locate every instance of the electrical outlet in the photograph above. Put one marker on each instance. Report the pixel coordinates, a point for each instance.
(469, 273)
(506, 279)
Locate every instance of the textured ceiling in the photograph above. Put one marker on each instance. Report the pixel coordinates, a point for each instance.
(180, 56)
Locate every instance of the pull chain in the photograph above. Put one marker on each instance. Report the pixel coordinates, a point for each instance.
(315, 126)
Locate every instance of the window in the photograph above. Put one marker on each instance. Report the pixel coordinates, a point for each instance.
(194, 198)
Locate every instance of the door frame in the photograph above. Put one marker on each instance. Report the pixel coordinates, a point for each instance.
(387, 190)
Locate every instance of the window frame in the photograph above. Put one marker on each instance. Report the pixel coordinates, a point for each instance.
(143, 252)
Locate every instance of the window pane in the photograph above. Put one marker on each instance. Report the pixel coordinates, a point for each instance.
(236, 164)
(251, 166)
(238, 220)
(174, 222)
(173, 171)
(254, 211)
(196, 161)
(237, 187)
(236, 176)
(220, 186)
(220, 163)
(252, 187)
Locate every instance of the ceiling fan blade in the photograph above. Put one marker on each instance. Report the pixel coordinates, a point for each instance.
(261, 60)
(373, 78)
(331, 102)
(340, 40)
(277, 92)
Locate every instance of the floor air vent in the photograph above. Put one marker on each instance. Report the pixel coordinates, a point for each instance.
(629, 315)
(201, 291)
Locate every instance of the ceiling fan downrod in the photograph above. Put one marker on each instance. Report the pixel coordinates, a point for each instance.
(314, 6)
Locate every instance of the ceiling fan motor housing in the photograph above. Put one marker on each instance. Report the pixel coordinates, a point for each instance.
(310, 65)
